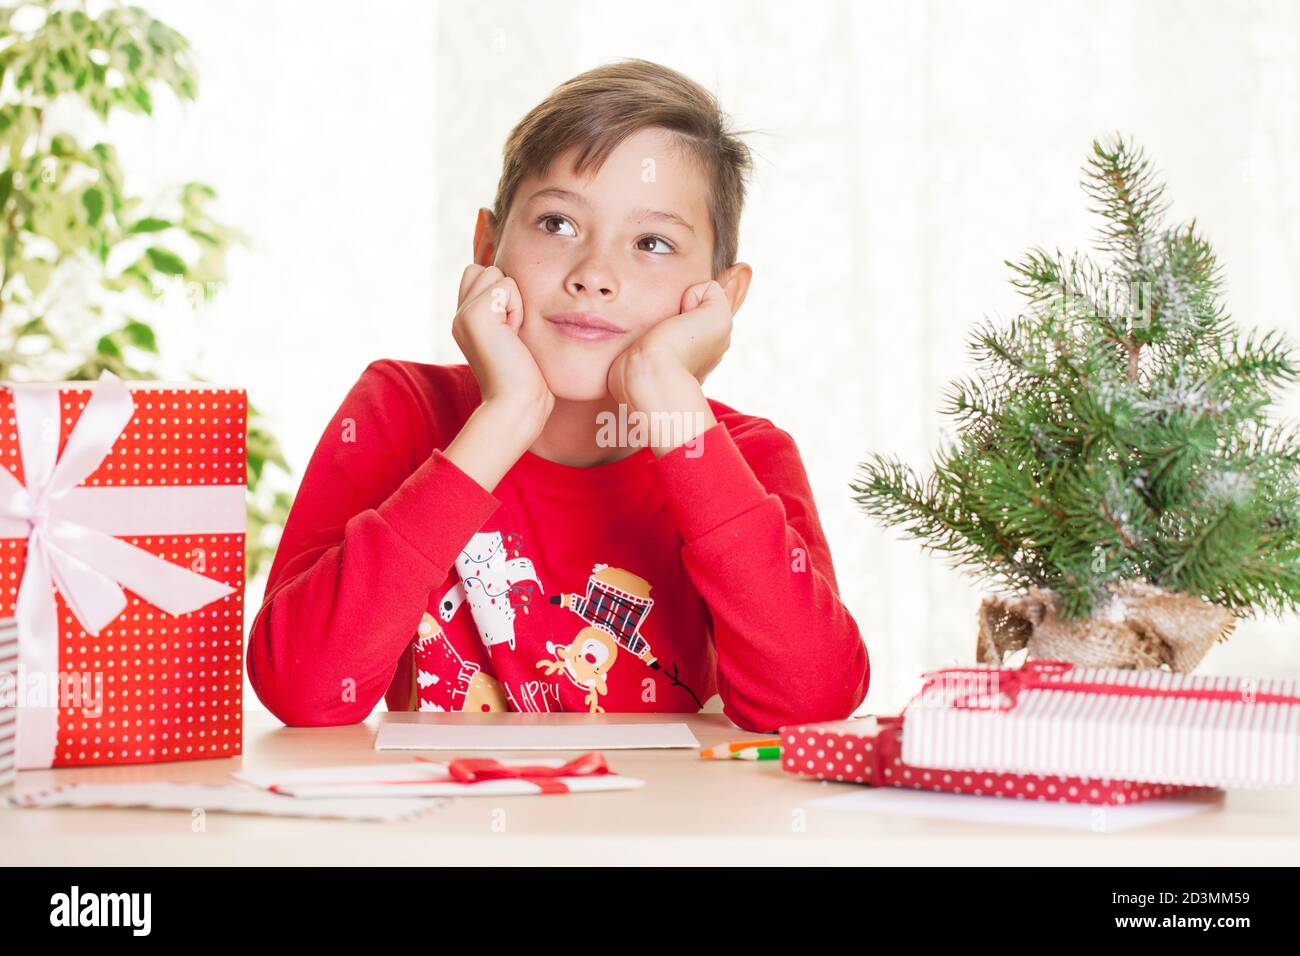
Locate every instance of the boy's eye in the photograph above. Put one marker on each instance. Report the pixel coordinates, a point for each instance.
(545, 222)
(667, 246)
(551, 217)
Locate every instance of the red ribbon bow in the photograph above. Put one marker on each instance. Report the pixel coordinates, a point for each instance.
(1037, 674)
(479, 769)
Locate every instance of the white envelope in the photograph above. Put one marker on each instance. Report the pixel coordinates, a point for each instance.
(216, 798)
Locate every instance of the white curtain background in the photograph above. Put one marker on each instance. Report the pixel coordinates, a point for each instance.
(906, 150)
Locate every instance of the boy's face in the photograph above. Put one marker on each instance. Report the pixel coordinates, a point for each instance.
(623, 245)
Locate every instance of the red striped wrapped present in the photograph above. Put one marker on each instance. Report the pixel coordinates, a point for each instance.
(1053, 717)
(8, 702)
(867, 750)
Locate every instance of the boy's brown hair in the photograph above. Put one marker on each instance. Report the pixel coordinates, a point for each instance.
(598, 109)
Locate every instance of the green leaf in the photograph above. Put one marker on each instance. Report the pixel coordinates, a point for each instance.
(134, 272)
(93, 200)
(133, 57)
(150, 224)
(141, 95)
(165, 261)
(106, 346)
(140, 335)
(34, 326)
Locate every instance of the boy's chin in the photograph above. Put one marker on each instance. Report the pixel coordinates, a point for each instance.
(571, 392)
(578, 385)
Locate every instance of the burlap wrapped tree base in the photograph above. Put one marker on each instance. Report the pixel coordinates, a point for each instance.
(1143, 626)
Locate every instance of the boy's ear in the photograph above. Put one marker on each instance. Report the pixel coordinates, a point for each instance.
(735, 282)
(485, 238)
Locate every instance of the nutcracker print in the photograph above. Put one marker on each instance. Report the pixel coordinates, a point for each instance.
(617, 601)
(614, 607)
(495, 582)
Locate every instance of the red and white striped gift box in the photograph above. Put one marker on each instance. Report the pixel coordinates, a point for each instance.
(1158, 726)
(8, 702)
(867, 750)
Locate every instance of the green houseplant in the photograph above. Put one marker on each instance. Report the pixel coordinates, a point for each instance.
(69, 230)
(1115, 465)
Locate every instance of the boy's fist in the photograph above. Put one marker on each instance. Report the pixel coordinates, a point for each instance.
(693, 341)
(489, 315)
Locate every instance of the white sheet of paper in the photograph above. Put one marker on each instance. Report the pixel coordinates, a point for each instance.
(901, 801)
(219, 798)
(403, 780)
(560, 735)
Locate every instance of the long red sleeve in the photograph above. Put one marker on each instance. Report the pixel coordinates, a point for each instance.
(378, 520)
(788, 650)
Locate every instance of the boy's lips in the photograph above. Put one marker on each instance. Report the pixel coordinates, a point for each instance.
(587, 320)
(585, 326)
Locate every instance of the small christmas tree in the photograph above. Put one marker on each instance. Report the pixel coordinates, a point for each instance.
(1116, 430)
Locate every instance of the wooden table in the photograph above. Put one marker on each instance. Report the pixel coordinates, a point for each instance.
(690, 812)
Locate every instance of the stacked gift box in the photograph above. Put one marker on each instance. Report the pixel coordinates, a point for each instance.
(1055, 731)
(123, 510)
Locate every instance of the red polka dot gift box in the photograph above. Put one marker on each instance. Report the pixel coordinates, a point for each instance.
(867, 750)
(123, 510)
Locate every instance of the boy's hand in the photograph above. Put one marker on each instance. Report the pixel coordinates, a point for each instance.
(486, 326)
(663, 370)
(693, 340)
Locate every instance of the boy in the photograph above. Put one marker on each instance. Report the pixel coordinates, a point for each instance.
(470, 537)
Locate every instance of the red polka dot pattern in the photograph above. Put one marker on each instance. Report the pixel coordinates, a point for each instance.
(176, 437)
(871, 756)
(172, 686)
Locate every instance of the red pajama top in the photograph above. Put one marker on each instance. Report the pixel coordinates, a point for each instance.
(645, 584)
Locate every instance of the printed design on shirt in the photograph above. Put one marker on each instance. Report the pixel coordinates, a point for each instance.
(534, 696)
(617, 602)
(445, 681)
(615, 605)
(494, 584)
(585, 662)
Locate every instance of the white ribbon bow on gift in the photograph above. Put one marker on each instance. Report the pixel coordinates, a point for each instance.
(70, 532)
